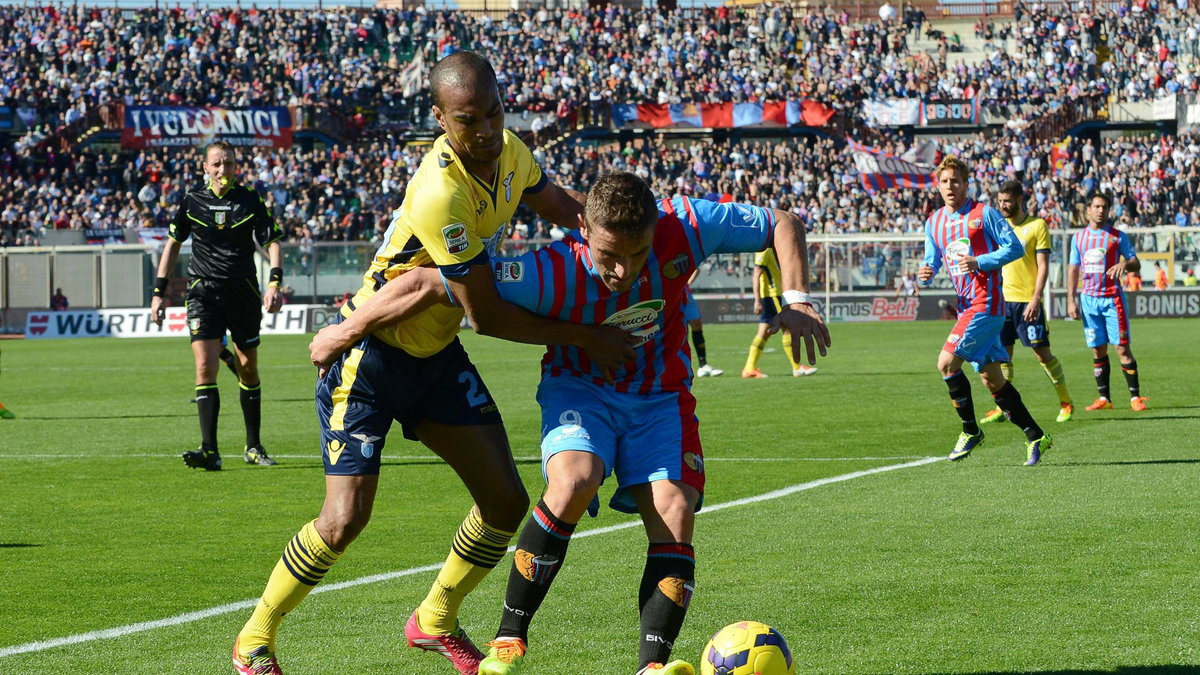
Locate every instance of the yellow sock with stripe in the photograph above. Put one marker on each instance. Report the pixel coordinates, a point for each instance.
(477, 548)
(304, 563)
(1058, 378)
(756, 350)
(787, 348)
(1007, 369)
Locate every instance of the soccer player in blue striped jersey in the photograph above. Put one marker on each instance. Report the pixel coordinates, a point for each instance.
(973, 241)
(627, 265)
(1103, 255)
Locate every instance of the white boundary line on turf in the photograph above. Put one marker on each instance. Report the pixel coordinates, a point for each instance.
(190, 617)
(433, 457)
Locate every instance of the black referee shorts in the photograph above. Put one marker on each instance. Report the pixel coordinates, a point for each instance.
(218, 305)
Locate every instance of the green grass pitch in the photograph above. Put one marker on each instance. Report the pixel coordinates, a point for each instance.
(1085, 564)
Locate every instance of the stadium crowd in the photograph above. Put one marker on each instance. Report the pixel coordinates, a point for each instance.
(56, 60)
(348, 194)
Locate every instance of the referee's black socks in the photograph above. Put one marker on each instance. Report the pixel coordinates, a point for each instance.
(1009, 400)
(252, 412)
(208, 403)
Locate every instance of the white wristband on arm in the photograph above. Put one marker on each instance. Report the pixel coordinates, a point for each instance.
(796, 297)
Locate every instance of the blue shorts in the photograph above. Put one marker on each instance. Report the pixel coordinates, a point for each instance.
(691, 311)
(641, 437)
(1031, 333)
(770, 308)
(1105, 320)
(976, 339)
(375, 383)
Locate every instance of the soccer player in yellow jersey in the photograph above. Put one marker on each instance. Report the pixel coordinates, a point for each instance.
(768, 299)
(416, 372)
(1024, 282)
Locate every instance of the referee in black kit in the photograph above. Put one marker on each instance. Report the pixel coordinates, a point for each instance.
(225, 220)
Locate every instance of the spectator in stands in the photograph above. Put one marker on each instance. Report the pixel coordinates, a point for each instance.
(58, 301)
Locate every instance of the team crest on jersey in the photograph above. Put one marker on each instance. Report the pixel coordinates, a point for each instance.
(974, 223)
(509, 271)
(676, 266)
(219, 216)
(954, 338)
(640, 320)
(456, 237)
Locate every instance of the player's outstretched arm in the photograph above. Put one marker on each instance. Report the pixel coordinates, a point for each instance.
(399, 299)
(489, 314)
(166, 263)
(799, 317)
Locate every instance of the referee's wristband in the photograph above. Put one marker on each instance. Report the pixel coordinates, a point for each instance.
(796, 297)
(160, 287)
(275, 280)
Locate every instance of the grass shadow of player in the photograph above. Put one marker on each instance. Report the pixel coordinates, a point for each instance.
(1131, 462)
(1119, 670)
(1139, 418)
(19, 545)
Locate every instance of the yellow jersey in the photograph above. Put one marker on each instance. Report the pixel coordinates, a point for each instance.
(1020, 275)
(771, 280)
(448, 218)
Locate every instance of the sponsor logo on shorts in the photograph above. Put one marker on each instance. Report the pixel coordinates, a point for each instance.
(537, 569)
(571, 431)
(676, 266)
(509, 271)
(456, 237)
(335, 449)
(694, 462)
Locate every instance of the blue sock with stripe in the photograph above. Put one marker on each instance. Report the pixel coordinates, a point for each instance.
(666, 592)
(541, 549)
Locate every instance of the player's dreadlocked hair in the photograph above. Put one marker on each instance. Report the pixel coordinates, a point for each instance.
(466, 70)
(621, 203)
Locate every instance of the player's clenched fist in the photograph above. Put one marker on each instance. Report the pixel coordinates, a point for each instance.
(925, 274)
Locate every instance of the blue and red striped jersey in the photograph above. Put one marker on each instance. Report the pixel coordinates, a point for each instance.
(560, 281)
(978, 230)
(1095, 250)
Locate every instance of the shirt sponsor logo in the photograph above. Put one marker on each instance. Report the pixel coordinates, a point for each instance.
(1093, 261)
(955, 250)
(456, 237)
(641, 320)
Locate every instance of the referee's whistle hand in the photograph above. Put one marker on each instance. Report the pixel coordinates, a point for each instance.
(158, 311)
(272, 300)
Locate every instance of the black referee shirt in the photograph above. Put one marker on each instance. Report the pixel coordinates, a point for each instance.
(223, 231)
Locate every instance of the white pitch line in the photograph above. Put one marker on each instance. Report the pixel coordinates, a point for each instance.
(528, 458)
(190, 617)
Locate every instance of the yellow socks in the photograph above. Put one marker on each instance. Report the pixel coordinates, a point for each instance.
(477, 548)
(1007, 369)
(756, 350)
(787, 349)
(1058, 378)
(304, 563)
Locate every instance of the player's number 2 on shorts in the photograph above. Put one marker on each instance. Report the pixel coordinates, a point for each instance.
(474, 397)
